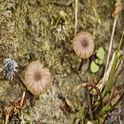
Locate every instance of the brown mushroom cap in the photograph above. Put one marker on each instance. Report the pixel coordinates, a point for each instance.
(37, 78)
(83, 44)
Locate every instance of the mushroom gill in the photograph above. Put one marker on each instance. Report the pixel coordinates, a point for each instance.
(83, 44)
(37, 78)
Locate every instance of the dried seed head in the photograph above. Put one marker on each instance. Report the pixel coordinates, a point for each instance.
(83, 44)
(37, 78)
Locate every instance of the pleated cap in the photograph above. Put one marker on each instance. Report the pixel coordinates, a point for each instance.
(83, 44)
(37, 78)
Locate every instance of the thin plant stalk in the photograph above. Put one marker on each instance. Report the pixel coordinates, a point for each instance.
(117, 56)
(109, 109)
(109, 82)
(76, 13)
(110, 45)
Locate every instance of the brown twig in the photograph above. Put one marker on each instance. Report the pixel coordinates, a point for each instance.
(119, 92)
(96, 88)
(121, 87)
(88, 85)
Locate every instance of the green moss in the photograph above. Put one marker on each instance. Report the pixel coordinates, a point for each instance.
(43, 30)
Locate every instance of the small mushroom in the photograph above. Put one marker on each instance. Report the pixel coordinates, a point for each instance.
(83, 44)
(37, 78)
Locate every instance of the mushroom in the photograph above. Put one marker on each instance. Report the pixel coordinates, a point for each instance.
(37, 78)
(83, 44)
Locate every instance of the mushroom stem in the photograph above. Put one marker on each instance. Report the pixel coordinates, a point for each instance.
(21, 81)
(80, 66)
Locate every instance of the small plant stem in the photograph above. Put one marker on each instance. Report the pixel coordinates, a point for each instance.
(113, 70)
(109, 82)
(109, 109)
(81, 64)
(117, 56)
(21, 81)
(119, 92)
(121, 40)
(120, 68)
(110, 45)
(31, 117)
(89, 104)
(76, 13)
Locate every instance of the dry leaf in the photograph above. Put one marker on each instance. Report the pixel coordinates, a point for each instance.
(14, 107)
(117, 10)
